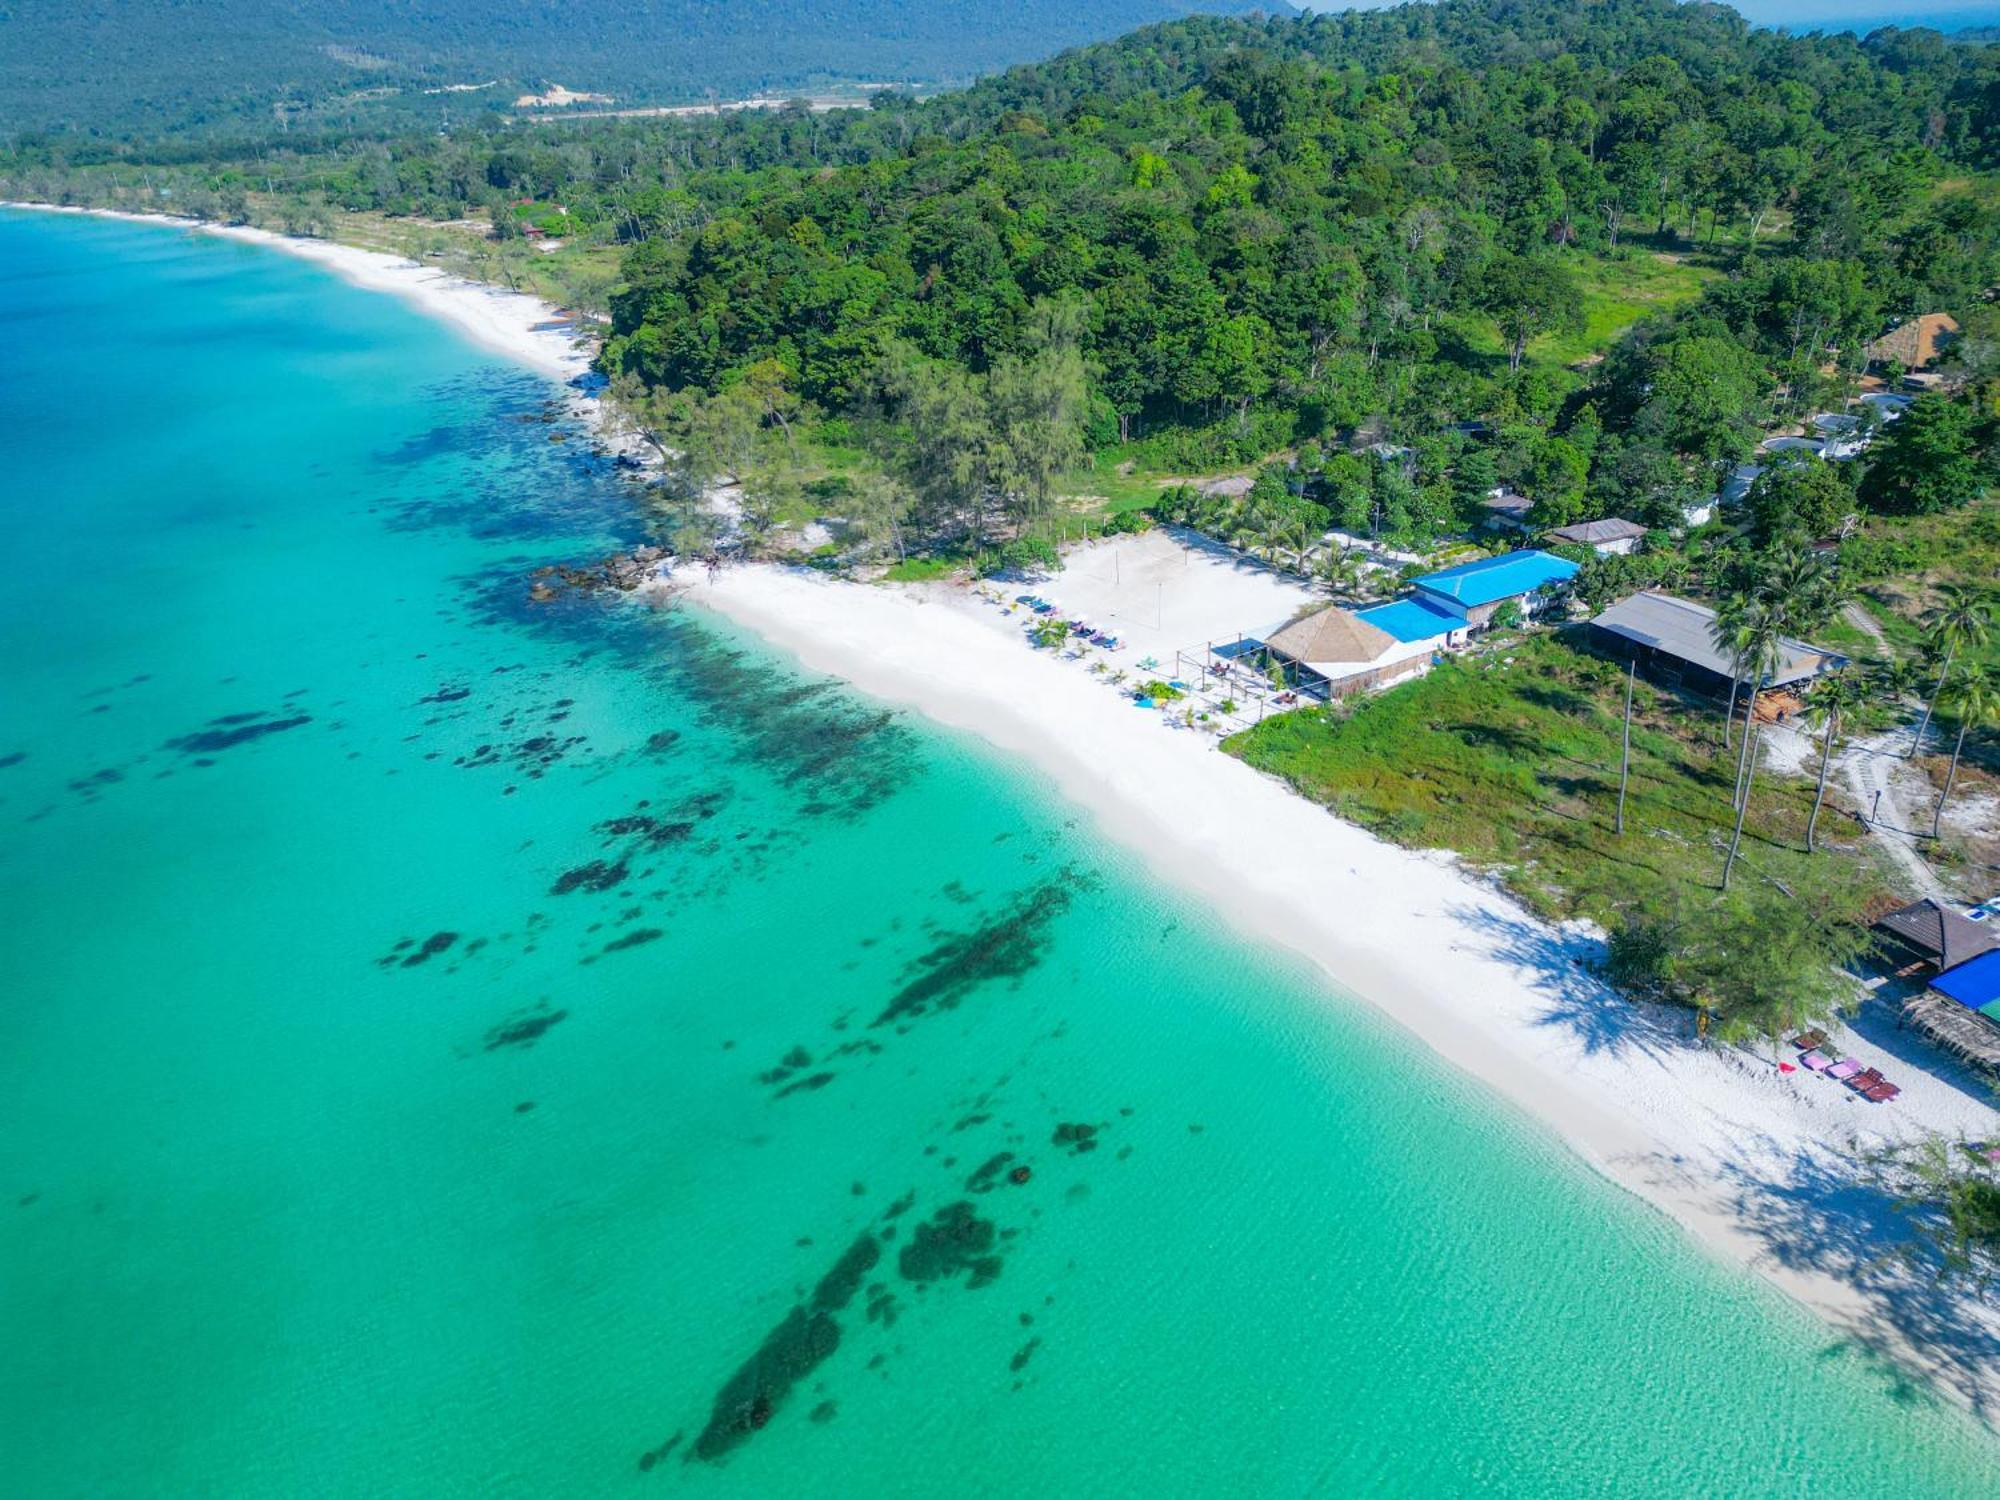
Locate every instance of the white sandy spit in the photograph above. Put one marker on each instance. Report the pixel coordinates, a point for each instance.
(1762, 1167)
(525, 329)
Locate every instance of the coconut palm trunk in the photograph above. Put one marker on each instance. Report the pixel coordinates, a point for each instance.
(1625, 758)
(1957, 749)
(1736, 834)
(1819, 793)
(1739, 796)
(1930, 703)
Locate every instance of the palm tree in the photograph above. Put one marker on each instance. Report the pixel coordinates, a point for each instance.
(1756, 659)
(1962, 618)
(1830, 700)
(1799, 585)
(1051, 632)
(1975, 701)
(1745, 628)
(1730, 631)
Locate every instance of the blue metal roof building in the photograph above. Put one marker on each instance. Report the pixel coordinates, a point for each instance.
(1411, 619)
(1491, 579)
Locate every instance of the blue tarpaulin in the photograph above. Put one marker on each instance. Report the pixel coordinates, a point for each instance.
(1975, 984)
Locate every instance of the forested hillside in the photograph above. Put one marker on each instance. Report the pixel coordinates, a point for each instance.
(1591, 252)
(123, 66)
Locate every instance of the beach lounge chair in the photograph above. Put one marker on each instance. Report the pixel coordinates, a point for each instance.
(1809, 1039)
(1142, 703)
(1815, 1061)
(1845, 1069)
(1881, 1093)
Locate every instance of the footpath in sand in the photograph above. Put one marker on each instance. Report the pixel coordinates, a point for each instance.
(1764, 1168)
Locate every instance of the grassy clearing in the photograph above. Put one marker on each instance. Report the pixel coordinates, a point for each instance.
(922, 569)
(1515, 766)
(1617, 292)
(1897, 562)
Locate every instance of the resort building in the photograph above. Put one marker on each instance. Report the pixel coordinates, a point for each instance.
(1472, 593)
(1671, 639)
(1614, 536)
(1815, 447)
(1506, 511)
(1733, 489)
(1929, 934)
(1335, 652)
(1914, 343)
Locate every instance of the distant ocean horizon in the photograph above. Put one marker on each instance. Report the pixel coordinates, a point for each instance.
(1861, 22)
(1860, 17)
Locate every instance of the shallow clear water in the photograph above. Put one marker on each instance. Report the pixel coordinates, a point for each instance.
(289, 1207)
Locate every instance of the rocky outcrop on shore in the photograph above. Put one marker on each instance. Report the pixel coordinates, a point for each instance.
(623, 571)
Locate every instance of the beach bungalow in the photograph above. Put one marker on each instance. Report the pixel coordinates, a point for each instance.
(1336, 652)
(1889, 404)
(1914, 343)
(1670, 638)
(1472, 593)
(1930, 934)
(1817, 447)
(1614, 536)
(1736, 487)
(1506, 511)
(1840, 433)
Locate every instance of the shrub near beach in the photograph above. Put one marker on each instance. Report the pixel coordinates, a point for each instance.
(1513, 762)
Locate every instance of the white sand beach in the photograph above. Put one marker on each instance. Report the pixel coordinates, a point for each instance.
(523, 328)
(1763, 1168)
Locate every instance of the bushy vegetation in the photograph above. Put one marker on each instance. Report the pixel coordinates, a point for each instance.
(1514, 762)
(1376, 241)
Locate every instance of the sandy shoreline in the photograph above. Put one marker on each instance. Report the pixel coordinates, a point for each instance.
(509, 323)
(1761, 1169)
(1716, 1138)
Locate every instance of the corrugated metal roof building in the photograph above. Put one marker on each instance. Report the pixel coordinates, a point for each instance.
(1672, 635)
(1493, 579)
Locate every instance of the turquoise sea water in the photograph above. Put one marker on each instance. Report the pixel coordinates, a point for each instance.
(682, 1166)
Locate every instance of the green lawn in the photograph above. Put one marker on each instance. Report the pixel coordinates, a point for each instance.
(1617, 292)
(922, 569)
(1516, 767)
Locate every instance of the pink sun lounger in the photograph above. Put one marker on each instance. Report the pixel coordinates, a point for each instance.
(1846, 1068)
(1815, 1061)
